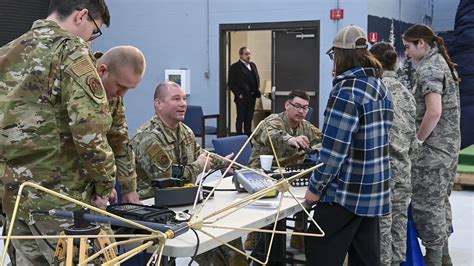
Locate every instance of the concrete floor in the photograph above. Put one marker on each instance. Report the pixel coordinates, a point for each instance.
(461, 242)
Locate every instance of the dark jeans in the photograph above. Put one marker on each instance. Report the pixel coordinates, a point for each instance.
(245, 109)
(345, 232)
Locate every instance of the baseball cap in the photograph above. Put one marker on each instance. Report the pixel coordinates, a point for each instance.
(347, 38)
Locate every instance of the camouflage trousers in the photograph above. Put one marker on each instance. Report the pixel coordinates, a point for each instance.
(36, 252)
(393, 227)
(430, 203)
(223, 255)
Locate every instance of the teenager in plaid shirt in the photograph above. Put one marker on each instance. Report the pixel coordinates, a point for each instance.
(352, 187)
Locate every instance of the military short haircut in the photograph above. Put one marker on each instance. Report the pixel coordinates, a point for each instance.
(162, 89)
(64, 8)
(298, 93)
(124, 56)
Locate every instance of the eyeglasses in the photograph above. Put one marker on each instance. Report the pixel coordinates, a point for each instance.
(95, 34)
(331, 54)
(299, 107)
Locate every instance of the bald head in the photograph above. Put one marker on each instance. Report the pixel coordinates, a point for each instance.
(163, 89)
(124, 56)
(121, 68)
(170, 103)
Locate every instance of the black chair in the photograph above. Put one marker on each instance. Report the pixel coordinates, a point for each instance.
(196, 120)
(228, 145)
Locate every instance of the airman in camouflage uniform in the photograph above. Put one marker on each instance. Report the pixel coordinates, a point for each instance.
(393, 228)
(123, 154)
(121, 68)
(291, 135)
(54, 118)
(158, 147)
(164, 141)
(434, 163)
(281, 132)
(288, 131)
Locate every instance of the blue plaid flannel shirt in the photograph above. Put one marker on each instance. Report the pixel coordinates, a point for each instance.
(355, 150)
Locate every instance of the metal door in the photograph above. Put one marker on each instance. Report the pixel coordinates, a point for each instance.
(296, 66)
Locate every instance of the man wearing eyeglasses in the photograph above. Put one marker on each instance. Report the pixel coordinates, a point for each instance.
(291, 135)
(244, 82)
(289, 131)
(54, 119)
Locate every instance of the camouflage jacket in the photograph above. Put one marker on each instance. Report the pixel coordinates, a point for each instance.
(402, 133)
(118, 139)
(441, 148)
(158, 147)
(280, 132)
(54, 119)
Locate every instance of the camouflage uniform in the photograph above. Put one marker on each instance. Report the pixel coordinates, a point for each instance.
(54, 120)
(123, 153)
(434, 164)
(157, 148)
(393, 228)
(280, 132)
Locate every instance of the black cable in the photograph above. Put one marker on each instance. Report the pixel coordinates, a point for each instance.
(223, 256)
(213, 171)
(197, 247)
(225, 189)
(44, 239)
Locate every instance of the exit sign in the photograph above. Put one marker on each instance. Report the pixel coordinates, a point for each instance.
(373, 37)
(337, 13)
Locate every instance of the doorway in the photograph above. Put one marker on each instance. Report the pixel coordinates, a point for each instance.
(287, 58)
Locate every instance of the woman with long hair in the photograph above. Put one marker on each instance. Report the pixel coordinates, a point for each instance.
(436, 92)
(352, 187)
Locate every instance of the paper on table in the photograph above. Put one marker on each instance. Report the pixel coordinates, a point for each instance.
(263, 204)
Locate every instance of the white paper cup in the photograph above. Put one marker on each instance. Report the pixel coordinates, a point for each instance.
(266, 162)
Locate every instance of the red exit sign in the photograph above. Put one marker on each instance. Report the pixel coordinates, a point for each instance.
(337, 13)
(373, 37)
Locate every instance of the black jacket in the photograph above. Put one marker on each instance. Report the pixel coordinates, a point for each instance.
(461, 50)
(244, 82)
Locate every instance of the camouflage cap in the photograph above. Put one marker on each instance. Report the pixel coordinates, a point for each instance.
(347, 38)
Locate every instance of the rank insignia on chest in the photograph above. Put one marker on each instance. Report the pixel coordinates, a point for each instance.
(96, 87)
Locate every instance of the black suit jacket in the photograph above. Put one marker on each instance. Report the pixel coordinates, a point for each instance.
(244, 82)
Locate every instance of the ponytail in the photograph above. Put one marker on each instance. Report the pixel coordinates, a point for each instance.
(443, 50)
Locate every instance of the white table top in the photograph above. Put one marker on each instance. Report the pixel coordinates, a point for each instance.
(249, 216)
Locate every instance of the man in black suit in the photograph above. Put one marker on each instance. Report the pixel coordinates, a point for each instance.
(244, 82)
